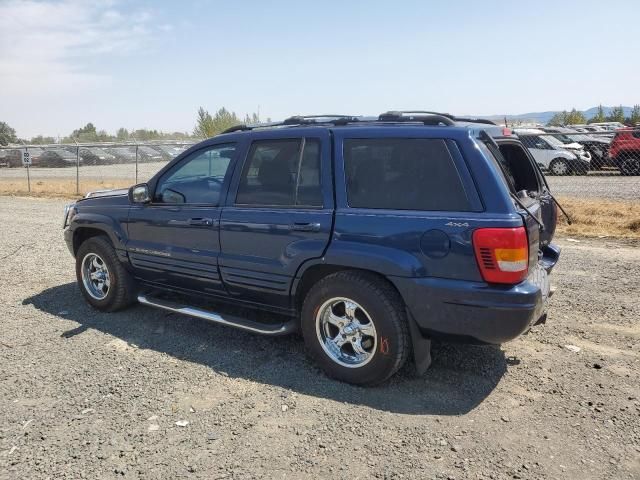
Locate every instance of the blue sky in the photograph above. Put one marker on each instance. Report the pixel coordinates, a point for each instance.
(151, 64)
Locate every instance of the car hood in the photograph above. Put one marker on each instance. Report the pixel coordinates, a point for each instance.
(107, 193)
(573, 146)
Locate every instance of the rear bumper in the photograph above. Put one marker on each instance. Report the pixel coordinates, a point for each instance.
(477, 311)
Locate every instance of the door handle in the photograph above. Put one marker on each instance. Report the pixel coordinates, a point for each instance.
(305, 227)
(201, 222)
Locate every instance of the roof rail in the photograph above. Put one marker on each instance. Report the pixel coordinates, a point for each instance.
(298, 120)
(448, 115)
(428, 119)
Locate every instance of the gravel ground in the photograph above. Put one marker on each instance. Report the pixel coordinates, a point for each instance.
(608, 186)
(612, 187)
(143, 394)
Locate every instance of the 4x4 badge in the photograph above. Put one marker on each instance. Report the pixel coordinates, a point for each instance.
(456, 224)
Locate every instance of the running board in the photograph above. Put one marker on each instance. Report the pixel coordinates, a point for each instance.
(230, 321)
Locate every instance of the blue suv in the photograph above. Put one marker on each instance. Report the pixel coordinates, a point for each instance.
(371, 236)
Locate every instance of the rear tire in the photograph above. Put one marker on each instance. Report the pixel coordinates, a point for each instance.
(630, 166)
(105, 284)
(355, 327)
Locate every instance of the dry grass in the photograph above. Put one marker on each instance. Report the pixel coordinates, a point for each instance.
(57, 187)
(600, 218)
(591, 217)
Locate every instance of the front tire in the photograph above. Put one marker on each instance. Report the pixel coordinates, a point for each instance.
(355, 327)
(559, 166)
(103, 281)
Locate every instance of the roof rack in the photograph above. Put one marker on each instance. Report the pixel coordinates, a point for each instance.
(421, 116)
(299, 120)
(411, 113)
(428, 118)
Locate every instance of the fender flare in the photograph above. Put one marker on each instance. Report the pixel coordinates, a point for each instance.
(104, 223)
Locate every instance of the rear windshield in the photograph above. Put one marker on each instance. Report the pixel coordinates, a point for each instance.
(402, 174)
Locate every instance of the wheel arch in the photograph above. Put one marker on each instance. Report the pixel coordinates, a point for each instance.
(420, 351)
(86, 225)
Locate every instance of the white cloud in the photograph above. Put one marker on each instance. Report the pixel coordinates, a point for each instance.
(46, 47)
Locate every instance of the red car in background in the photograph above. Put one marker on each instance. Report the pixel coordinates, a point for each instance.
(625, 151)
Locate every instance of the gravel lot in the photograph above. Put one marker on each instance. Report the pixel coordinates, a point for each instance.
(612, 187)
(609, 186)
(91, 395)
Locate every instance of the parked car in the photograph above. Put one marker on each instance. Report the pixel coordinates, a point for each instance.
(58, 157)
(369, 236)
(552, 155)
(169, 152)
(123, 154)
(149, 154)
(96, 156)
(10, 158)
(596, 146)
(625, 151)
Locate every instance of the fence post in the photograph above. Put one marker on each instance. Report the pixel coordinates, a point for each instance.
(136, 162)
(75, 140)
(28, 174)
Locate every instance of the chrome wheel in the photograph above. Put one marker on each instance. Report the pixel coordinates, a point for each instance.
(95, 276)
(346, 332)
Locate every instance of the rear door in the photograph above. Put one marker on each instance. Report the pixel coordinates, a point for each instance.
(279, 214)
(523, 175)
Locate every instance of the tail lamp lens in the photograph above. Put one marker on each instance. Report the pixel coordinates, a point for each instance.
(502, 254)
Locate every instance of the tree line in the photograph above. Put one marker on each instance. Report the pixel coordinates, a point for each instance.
(206, 126)
(616, 114)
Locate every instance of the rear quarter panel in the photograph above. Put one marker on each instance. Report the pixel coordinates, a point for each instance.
(410, 243)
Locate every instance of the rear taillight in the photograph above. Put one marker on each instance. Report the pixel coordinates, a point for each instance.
(502, 254)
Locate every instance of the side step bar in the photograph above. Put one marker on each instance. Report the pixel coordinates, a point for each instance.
(230, 321)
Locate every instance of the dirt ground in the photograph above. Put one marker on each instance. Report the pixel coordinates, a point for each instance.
(145, 394)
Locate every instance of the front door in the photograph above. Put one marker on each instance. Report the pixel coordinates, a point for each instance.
(174, 240)
(279, 214)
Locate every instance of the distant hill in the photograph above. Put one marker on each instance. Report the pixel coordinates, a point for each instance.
(544, 117)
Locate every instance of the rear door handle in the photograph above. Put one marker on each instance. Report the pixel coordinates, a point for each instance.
(201, 222)
(305, 227)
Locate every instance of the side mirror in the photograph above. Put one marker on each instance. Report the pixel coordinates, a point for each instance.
(139, 193)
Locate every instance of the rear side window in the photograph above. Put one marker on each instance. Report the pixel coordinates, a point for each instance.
(402, 174)
(281, 173)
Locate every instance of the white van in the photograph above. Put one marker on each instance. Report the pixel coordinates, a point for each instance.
(552, 154)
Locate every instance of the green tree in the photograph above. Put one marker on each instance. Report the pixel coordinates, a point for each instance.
(616, 115)
(204, 124)
(599, 116)
(251, 119)
(145, 135)
(122, 134)
(634, 119)
(40, 140)
(224, 119)
(559, 119)
(208, 125)
(7, 134)
(87, 133)
(575, 117)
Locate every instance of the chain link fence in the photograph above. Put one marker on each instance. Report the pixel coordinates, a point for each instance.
(75, 169)
(577, 162)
